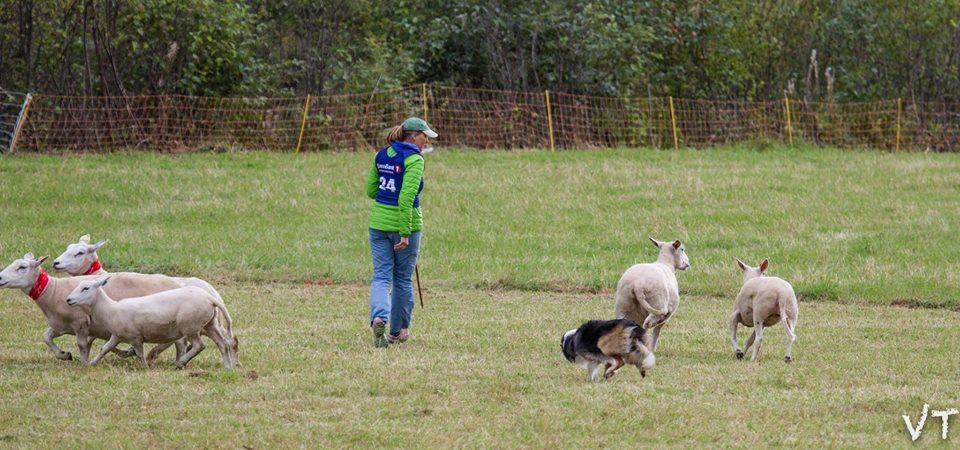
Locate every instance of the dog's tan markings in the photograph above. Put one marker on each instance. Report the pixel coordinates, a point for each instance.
(616, 342)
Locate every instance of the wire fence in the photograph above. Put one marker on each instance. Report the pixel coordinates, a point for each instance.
(476, 118)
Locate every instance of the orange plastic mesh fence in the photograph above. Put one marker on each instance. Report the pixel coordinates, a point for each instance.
(476, 118)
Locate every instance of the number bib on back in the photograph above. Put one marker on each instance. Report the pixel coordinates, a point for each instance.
(391, 170)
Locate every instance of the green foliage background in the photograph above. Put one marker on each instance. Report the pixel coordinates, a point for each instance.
(735, 49)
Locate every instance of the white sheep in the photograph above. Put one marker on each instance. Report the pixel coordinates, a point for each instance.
(648, 294)
(762, 302)
(160, 318)
(81, 259)
(50, 294)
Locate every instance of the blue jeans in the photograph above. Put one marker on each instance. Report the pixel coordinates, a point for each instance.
(392, 267)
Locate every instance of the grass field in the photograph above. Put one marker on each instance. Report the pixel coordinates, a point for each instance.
(843, 226)
(519, 247)
(484, 369)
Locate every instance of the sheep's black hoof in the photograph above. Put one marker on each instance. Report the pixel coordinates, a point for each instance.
(788, 359)
(643, 374)
(67, 356)
(739, 354)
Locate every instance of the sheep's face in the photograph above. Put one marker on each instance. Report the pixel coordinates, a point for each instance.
(676, 250)
(750, 272)
(681, 261)
(21, 273)
(78, 257)
(86, 292)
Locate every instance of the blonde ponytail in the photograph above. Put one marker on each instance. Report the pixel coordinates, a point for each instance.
(395, 134)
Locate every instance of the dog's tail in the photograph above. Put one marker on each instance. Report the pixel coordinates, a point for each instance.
(642, 301)
(647, 360)
(637, 332)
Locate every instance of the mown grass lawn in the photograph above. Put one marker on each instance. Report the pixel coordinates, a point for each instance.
(518, 248)
(484, 369)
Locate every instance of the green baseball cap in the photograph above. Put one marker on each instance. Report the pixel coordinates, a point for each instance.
(418, 124)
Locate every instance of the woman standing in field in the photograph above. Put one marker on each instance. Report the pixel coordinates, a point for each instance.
(395, 183)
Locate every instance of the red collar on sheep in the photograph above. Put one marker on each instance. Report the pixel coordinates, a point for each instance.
(41, 285)
(94, 267)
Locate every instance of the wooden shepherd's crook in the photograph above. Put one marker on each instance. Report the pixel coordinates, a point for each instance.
(416, 269)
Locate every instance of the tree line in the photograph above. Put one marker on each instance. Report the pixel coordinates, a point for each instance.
(841, 50)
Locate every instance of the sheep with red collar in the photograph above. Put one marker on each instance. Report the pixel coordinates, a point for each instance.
(50, 295)
(81, 258)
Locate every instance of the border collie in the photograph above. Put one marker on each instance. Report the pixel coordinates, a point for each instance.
(607, 345)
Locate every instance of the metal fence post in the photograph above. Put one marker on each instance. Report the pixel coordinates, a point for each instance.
(423, 94)
(673, 121)
(786, 104)
(899, 110)
(303, 122)
(546, 94)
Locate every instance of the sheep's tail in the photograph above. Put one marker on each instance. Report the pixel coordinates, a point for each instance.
(223, 318)
(642, 301)
(202, 284)
(789, 320)
(226, 325)
(227, 320)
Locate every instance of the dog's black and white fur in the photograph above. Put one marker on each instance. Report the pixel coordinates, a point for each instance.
(607, 345)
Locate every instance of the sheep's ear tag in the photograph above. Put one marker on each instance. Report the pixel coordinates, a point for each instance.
(85, 239)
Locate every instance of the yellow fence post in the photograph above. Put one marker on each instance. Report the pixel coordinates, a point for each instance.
(21, 119)
(673, 121)
(423, 93)
(899, 109)
(303, 121)
(786, 104)
(546, 94)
